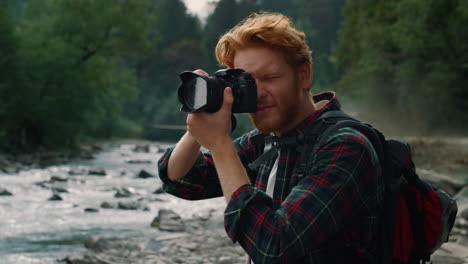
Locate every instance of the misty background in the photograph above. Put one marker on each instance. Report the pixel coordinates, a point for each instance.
(75, 71)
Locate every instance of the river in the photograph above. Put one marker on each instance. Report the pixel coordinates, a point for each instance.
(34, 229)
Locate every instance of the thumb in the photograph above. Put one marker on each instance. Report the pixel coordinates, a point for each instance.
(228, 99)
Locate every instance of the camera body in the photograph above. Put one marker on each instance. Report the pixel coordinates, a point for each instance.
(244, 89)
(200, 93)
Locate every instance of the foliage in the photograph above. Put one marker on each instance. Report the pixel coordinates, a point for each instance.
(72, 72)
(408, 58)
(78, 69)
(320, 21)
(9, 73)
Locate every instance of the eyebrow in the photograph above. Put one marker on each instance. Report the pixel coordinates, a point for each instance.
(269, 74)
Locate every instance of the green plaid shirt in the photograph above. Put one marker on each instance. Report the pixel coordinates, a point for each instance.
(329, 215)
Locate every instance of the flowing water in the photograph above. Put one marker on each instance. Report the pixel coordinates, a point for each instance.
(36, 230)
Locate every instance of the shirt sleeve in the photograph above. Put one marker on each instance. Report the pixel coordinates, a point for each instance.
(342, 176)
(202, 182)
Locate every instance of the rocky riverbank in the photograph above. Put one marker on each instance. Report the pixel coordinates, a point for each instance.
(200, 238)
(15, 162)
(197, 240)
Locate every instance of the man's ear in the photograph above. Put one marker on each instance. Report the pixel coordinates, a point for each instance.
(305, 76)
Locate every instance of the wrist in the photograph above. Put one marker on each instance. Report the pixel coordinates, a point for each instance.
(222, 145)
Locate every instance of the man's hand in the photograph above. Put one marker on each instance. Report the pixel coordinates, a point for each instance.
(212, 130)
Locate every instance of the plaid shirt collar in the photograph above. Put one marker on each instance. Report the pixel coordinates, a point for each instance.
(333, 104)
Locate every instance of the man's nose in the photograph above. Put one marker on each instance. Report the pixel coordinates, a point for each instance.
(261, 92)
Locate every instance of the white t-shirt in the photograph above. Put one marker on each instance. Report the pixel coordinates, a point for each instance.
(272, 178)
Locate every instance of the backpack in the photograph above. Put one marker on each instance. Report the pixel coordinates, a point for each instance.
(417, 216)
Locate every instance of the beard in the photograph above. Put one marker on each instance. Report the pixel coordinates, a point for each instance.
(278, 119)
(285, 112)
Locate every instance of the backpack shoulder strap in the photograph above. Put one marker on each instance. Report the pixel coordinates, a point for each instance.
(340, 120)
(330, 122)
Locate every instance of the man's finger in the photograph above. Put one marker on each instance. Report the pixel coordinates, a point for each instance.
(201, 72)
(228, 99)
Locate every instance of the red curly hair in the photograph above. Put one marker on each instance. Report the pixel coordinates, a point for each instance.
(264, 29)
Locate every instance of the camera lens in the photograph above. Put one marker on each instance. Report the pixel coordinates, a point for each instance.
(195, 93)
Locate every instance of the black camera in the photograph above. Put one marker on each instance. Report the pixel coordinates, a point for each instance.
(200, 93)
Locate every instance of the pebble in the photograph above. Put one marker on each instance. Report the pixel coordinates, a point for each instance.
(5, 192)
(91, 210)
(55, 197)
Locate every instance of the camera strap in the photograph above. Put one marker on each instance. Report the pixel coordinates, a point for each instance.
(273, 144)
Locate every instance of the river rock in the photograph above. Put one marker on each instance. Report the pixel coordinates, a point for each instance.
(462, 194)
(451, 253)
(97, 172)
(55, 187)
(5, 192)
(55, 178)
(202, 242)
(4, 162)
(91, 210)
(87, 151)
(143, 174)
(124, 192)
(168, 220)
(77, 171)
(131, 205)
(142, 148)
(56, 197)
(159, 190)
(59, 190)
(464, 214)
(161, 149)
(108, 205)
(99, 244)
(138, 161)
(450, 184)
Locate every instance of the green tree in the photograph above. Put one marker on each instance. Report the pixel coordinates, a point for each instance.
(9, 73)
(321, 19)
(226, 15)
(73, 55)
(407, 58)
(176, 46)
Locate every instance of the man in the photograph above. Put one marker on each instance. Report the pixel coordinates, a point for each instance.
(328, 215)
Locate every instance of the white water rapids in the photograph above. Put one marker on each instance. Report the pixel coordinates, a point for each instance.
(36, 230)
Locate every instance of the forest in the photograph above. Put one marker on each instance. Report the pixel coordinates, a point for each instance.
(74, 71)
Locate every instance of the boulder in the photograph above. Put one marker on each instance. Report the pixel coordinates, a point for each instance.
(143, 174)
(168, 220)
